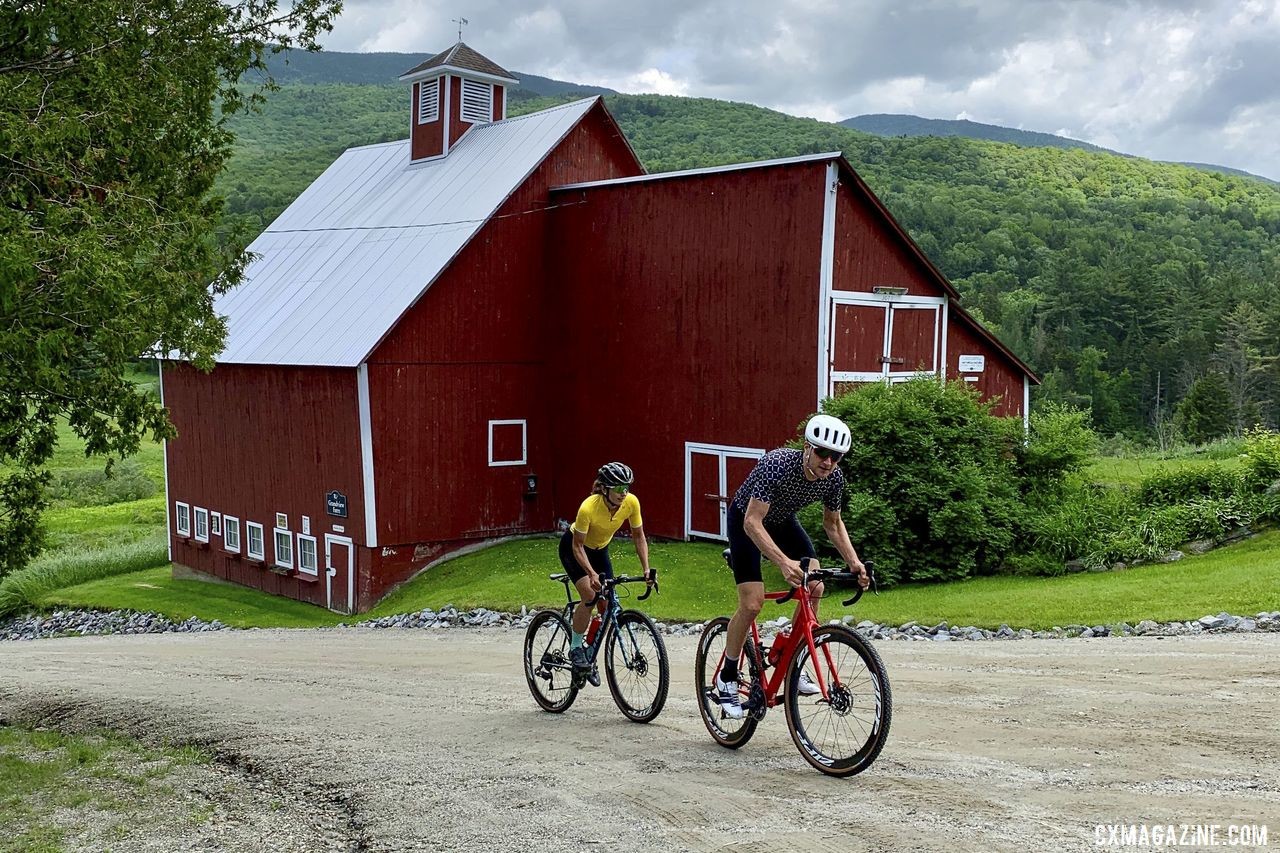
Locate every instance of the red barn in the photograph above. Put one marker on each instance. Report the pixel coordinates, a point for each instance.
(441, 339)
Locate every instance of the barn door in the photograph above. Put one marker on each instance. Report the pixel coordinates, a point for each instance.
(340, 576)
(713, 473)
(879, 340)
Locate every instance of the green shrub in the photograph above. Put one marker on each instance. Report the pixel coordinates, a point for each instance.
(1060, 444)
(1261, 458)
(932, 480)
(1184, 485)
(23, 589)
(126, 482)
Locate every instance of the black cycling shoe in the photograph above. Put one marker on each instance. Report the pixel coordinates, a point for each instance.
(593, 678)
(578, 657)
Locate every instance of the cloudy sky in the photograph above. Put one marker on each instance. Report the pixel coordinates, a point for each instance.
(1166, 79)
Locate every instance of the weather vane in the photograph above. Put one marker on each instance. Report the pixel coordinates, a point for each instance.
(461, 22)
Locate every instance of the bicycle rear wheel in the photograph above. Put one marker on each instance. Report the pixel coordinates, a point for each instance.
(546, 662)
(726, 730)
(841, 735)
(635, 662)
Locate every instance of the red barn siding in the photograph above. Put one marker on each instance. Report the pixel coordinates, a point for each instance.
(426, 140)
(688, 312)
(498, 104)
(1001, 377)
(255, 441)
(869, 253)
(474, 349)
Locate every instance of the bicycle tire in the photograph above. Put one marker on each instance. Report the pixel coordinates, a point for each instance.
(726, 731)
(546, 662)
(843, 736)
(636, 657)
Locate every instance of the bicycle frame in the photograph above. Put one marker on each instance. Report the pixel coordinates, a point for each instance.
(612, 611)
(803, 622)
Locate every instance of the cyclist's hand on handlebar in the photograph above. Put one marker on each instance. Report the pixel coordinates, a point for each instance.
(860, 570)
(792, 573)
(595, 582)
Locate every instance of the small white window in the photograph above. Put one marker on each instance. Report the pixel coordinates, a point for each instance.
(284, 548)
(215, 523)
(282, 521)
(256, 548)
(202, 524)
(428, 101)
(231, 536)
(182, 519)
(307, 554)
(477, 102)
(508, 443)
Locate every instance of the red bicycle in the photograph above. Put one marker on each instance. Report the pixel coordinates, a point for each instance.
(841, 728)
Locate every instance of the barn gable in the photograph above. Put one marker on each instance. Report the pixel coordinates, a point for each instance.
(360, 245)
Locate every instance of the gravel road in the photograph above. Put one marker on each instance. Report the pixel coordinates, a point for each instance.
(428, 740)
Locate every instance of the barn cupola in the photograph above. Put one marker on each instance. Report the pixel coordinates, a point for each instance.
(449, 94)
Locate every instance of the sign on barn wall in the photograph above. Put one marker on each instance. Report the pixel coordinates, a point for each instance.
(972, 363)
(335, 503)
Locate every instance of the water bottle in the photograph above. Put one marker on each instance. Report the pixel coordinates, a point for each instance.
(593, 629)
(775, 648)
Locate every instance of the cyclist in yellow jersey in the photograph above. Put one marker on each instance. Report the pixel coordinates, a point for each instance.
(584, 548)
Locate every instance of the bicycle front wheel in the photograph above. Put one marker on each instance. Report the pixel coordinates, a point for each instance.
(635, 662)
(710, 655)
(546, 662)
(843, 733)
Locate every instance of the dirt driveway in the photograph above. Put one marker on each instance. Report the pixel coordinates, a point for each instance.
(428, 740)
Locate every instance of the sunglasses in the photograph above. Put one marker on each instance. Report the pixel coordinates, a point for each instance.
(623, 488)
(824, 453)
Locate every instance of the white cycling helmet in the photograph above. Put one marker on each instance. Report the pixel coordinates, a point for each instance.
(826, 431)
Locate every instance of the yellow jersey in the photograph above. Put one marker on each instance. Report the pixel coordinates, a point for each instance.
(598, 525)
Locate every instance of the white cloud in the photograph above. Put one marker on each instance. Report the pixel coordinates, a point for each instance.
(1171, 79)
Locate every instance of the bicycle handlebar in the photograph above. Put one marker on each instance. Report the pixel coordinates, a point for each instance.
(821, 574)
(651, 585)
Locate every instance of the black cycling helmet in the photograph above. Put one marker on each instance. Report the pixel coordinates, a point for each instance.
(614, 474)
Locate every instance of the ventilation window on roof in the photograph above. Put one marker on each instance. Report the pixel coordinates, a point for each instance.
(477, 102)
(428, 101)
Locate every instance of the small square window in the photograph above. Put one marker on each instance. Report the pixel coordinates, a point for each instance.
(307, 554)
(215, 523)
(256, 546)
(182, 519)
(428, 101)
(284, 548)
(202, 524)
(508, 443)
(231, 534)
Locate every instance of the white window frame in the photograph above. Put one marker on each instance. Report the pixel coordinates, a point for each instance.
(277, 533)
(477, 102)
(227, 522)
(314, 570)
(427, 116)
(261, 553)
(215, 523)
(201, 516)
(182, 518)
(722, 452)
(524, 443)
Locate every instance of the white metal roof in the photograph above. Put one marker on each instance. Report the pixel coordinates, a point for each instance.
(732, 167)
(340, 266)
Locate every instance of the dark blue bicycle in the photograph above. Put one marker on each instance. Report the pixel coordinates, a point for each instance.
(635, 658)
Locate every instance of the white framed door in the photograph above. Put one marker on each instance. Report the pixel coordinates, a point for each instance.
(712, 473)
(874, 338)
(340, 574)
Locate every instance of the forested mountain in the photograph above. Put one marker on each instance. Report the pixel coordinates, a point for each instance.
(1142, 290)
(893, 124)
(890, 124)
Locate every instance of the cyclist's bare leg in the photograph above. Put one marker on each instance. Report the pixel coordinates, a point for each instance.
(750, 600)
(815, 596)
(582, 613)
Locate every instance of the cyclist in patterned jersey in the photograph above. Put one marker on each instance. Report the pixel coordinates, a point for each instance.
(584, 548)
(762, 521)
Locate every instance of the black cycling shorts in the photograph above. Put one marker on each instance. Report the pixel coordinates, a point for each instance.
(745, 557)
(597, 557)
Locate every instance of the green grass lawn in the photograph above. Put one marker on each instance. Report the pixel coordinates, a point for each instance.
(1132, 468)
(1243, 579)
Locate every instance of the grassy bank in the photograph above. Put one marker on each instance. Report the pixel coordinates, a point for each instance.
(61, 792)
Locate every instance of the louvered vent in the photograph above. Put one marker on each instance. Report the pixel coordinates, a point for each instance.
(428, 101)
(477, 102)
